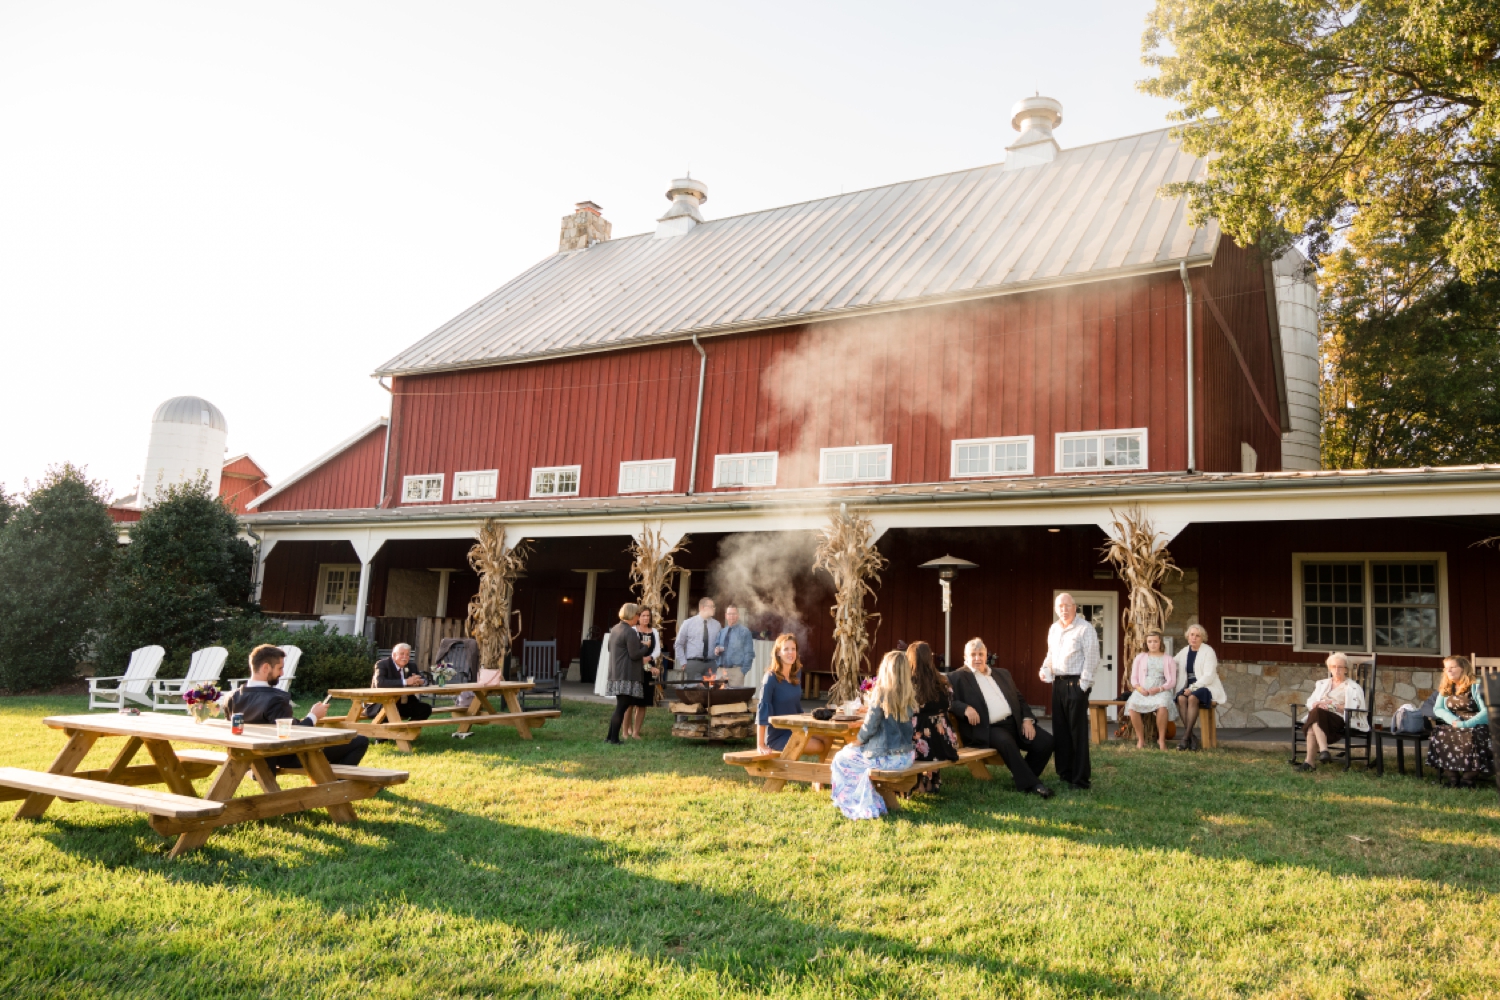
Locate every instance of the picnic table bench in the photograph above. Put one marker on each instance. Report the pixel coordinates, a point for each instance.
(779, 768)
(180, 811)
(388, 724)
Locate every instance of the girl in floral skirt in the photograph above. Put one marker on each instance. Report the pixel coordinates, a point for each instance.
(884, 742)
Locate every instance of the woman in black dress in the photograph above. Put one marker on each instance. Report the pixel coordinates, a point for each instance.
(628, 649)
(1462, 747)
(932, 733)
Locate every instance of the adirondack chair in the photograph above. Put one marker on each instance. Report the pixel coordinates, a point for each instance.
(133, 685)
(539, 660)
(288, 670)
(207, 664)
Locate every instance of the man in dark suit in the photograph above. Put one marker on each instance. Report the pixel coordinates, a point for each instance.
(393, 672)
(990, 712)
(261, 702)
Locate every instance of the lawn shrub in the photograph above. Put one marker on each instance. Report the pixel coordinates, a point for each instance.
(329, 659)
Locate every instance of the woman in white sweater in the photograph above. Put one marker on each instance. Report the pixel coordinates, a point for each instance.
(1337, 703)
(1198, 672)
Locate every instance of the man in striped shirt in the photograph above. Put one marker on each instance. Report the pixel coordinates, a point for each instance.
(1072, 658)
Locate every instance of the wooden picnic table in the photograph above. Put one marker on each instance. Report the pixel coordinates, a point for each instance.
(779, 768)
(179, 811)
(388, 724)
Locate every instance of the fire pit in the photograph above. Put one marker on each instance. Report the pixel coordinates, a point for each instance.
(710, 710)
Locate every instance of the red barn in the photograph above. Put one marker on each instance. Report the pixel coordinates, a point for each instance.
(986, 363)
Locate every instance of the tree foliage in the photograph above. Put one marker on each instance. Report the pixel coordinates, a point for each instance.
(1366, 132)
(329, 658)
(185, 570)
(56, 552)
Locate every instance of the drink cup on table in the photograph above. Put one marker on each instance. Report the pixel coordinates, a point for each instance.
(283, 729)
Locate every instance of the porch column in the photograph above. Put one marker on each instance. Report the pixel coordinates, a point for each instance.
(684, 604)
(590, 592)
(266, 545)
(442, 598)
(366, 564)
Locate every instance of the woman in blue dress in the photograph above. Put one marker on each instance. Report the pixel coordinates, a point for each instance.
(781, 694)
(884, 742)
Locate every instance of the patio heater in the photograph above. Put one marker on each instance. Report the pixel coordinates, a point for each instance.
(948, 567)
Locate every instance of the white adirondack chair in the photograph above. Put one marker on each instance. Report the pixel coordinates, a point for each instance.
(136, 684)
(207, 664)
(288, 670)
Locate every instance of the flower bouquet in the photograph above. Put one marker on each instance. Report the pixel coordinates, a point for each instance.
(202, 700)
(441, 674)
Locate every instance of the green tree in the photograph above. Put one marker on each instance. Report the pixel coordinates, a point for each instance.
(1366, 132)
(185, 570)
(56, 552)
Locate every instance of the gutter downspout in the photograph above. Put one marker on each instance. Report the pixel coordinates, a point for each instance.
(385, 458)
(1187, 287)
(697, 420)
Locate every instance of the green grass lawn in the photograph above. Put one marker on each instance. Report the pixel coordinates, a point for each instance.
(566, 867)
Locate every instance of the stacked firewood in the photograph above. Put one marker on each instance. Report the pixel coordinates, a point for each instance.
(712, 722)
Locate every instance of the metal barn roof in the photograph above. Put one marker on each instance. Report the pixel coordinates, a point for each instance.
(1092, 213)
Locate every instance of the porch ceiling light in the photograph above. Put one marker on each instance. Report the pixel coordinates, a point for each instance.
(947, 568)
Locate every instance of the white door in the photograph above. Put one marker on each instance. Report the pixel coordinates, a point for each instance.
(1101, 608)
(338, 589)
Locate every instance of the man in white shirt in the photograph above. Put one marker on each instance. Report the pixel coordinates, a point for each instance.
(1072, 658)
(697, 640)
(991, 712)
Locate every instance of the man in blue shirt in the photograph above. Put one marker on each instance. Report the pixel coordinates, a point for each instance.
(735, 653)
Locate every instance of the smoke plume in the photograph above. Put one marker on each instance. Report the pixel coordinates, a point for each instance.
(764, 573)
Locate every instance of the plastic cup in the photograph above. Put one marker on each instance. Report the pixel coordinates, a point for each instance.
(531, 679)
(283, 729)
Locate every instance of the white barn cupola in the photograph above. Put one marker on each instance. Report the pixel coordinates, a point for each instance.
(686, 195)
(1035, 118)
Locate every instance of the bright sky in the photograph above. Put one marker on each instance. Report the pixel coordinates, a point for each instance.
(260, 203)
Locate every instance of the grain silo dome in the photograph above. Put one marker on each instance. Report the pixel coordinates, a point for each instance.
(190, 410)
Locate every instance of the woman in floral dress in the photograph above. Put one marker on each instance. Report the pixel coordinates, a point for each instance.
(884, 742)
(932, 736)
(1462, 748)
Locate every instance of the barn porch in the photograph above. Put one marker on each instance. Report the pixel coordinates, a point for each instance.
(1245, 558)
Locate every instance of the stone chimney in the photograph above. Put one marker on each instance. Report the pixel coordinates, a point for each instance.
(685, 195)
(583, 228)
(1035, 118)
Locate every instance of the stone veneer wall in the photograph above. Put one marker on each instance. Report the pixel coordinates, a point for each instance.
(1260, 693)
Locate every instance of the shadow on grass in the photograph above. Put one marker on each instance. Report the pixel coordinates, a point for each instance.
(589, 894)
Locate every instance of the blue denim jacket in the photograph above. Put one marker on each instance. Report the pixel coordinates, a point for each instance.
(739, 647)
(883, 735)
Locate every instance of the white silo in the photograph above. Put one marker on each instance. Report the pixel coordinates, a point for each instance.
(187, 441)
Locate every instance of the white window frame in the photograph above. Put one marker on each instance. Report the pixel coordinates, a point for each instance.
(670, 463)
(1028, 439)
(406, 482)
(1299, 633)
(856, 451)
(577, 471)
(747, 457)
(1057, 449)
(458, 484)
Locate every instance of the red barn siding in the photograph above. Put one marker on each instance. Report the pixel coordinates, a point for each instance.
(290, 578)
(1228, 411)
(351, 479)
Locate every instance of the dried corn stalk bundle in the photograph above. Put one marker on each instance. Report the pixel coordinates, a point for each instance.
(848, 553)
(651, 571)
(1140, 557)
(490, 609)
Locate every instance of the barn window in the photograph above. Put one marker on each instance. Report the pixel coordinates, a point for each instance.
(992, 456)
(857, 465)
(338, 588)
(648, 477)
(1121, 449)
(1372, 603)
(557, 481)
(421, 489)
(749, 469)
(475, 485)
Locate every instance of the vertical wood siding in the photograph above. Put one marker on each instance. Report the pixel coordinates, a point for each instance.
(1228, 412)
(351, 479)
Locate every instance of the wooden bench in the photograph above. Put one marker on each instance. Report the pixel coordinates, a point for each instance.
(76, 789)
(1099, 723)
